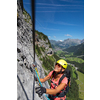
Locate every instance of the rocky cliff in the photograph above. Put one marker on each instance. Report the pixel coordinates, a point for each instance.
(25, 56)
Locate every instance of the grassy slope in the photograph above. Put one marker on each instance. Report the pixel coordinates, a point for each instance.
(80, 81)
(74, 75)
(79, 60)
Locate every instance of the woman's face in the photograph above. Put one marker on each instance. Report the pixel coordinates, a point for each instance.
(57, 67)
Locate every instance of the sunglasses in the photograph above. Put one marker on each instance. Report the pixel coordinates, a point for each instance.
(58, 64)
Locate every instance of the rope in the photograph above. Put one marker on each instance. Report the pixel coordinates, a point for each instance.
(22, 87)
(36, 71)
(33, 36)
(33, 24)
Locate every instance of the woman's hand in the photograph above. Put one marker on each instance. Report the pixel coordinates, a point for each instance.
(40, 90)
(33, 65)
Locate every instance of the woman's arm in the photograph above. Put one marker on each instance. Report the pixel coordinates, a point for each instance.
(57, 90)
(45, 79)
(40, 90)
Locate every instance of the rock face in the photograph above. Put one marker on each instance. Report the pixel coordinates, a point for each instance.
(43, 44)
(25, 60)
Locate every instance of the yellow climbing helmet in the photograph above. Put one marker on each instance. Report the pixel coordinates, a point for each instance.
(63, 63)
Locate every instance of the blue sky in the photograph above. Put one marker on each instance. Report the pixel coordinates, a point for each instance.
(58, 19)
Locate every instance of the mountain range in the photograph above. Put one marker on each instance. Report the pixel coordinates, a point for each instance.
(56, 45)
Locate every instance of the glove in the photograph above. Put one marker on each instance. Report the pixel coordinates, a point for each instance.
(40, 90)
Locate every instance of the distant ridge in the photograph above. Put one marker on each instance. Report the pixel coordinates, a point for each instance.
(78, 50)
(66, 43)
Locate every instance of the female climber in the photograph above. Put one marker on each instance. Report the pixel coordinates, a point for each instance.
(57, 90)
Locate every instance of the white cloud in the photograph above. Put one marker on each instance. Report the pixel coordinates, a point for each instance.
(50, 28)
(61, 40)
(54, 36)
(66, 0)
(58, 11)
(49, 36)
(55, 4)
(68, 35)
(61, 23)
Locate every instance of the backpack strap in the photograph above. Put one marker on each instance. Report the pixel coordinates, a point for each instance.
(62, 94)
(68, 74)
(63, 76)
